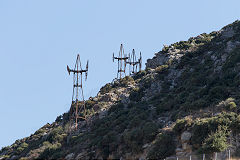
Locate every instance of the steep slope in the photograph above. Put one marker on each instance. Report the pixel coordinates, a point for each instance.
(184, 102)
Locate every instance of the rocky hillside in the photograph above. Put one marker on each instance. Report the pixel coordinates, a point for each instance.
(185, 102)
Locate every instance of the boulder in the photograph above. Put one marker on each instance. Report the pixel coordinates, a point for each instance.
(186, 136)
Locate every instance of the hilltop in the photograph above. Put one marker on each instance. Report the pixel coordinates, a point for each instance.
(186, 102)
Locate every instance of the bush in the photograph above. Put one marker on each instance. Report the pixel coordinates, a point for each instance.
(106, 88)
(147, 81)
(19, 150)
(116, 108)
(108, 143)
(56, 135)
(136, 94)
(161, 69)
(126, 80)
(202, 128)
(216, 142)
(163, 147)
(40, 131)
(181, 125)
(139, 74)
(133, 139)
(89, 104)
(149, 131)
(22, 147)
(51, 150)
(218, 92)
(231, 106)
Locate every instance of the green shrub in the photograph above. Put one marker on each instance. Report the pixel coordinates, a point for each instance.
(108, 143)
(89, 104)
(139, 74)
(50, 151)
(231, 106)
(216, 142)
(56, 135)
(126, 81)
(218, 92)
(136, 94)
(149, 131)
(163, 147)
(40, 131)
(202, 128)
(181, 125)
(106, 88)
(116, 108)
(46, 144)
(235, 126)
(22, 147)
(147, 82)
(133, 139)
(161, 69)
(182, 45)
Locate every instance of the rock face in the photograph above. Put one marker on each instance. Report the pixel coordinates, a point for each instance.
(163, 58)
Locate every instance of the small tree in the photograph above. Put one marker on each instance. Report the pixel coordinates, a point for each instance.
(216, 142)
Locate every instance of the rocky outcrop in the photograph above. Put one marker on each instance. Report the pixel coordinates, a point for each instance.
(161, 58)
(184, 147)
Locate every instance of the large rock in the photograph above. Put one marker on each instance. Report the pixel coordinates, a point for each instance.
(162, 58)
(158, 60)
(186, 136)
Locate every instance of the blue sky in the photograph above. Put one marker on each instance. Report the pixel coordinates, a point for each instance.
(39, 38)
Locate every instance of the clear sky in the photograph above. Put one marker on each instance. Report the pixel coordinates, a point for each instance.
(39, 38)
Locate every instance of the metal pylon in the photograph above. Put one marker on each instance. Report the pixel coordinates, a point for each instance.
(78, 102)
(134, 64)
(122, 62)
